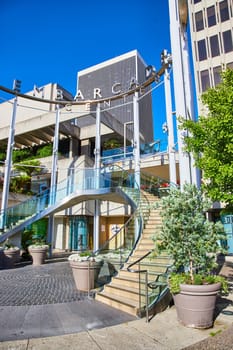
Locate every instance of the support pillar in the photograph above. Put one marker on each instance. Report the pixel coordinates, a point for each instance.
(8, 161)
(53, 184)
(182, 88)
(97, 179)
(171, 144)
(136, 141)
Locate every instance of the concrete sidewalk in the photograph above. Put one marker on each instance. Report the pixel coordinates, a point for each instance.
(162, 332)
(81, 323)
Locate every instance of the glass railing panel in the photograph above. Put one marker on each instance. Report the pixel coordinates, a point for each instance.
(116, 251)
(81, 179)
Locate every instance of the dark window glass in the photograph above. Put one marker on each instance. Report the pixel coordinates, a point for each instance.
(224, 12)
(227, 41)
(214, 46)
(211, 16)
(205, 80)
(202, 50)
(196, 1)
(217, 76)
(199, 21)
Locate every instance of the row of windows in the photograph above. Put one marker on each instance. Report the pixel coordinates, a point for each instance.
(212, 15)
(211, 77)
(214, 45)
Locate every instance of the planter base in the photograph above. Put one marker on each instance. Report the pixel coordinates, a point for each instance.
(38, 255)
(85, 274)
(11, 256)
(195, 304)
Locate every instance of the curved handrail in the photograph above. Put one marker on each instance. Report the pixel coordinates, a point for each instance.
(163, 286)
(146, 278)
(137, 261)
(120, 236)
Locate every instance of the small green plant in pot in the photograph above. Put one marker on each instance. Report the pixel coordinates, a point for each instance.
(192, 241)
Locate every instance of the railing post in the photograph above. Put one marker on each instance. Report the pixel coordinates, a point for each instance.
(147, 301)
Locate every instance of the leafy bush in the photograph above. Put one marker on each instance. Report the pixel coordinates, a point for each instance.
(44, 151)
(187, 235)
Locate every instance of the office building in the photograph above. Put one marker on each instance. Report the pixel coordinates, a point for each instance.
(211, 27)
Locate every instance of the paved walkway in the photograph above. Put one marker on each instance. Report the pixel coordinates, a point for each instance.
(41, 309)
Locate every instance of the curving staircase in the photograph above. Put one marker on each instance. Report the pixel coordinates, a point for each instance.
(127, 290)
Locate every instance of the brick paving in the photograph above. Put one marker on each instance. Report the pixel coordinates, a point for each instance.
(38, 285)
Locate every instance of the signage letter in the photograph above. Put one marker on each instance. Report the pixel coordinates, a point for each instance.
(116, 91)
(97, 93)
(79, 95)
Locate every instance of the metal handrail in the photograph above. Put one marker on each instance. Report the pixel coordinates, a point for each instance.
(146, 279)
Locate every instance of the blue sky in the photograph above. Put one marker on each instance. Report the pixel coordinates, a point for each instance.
(50, 41)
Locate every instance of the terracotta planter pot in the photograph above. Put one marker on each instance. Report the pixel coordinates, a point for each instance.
(195, 304)
(85, 274)
(38, 255)
(11, 256)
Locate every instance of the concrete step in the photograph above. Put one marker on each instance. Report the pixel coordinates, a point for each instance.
(120, 303)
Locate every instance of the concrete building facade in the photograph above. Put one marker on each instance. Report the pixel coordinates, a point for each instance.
(211, 27)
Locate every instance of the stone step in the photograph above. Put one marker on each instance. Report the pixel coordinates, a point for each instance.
(119, 303)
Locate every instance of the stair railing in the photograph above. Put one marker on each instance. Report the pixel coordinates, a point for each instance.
(139, 271)
(126, 241)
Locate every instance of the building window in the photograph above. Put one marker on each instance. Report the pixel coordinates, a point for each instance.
(202, 50)
(217, 75)
(214, 46)
(227, 41)
(205, 80)
(224, 12)
(211, 16)
(199, 21)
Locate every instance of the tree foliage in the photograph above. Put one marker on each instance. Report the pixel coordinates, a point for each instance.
(210, 139)
(186, 234)
(29, 167)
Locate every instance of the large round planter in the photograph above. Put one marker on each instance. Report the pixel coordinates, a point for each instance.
(11, 256)
(195, 304)
(85, 274)
(38, 254)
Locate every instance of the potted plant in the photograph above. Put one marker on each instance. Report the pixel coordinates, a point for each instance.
(192, 241)
(38, 249)
(85, 268)
(10, 254)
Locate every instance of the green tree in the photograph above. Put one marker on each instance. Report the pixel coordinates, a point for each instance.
(44, 151)
(29, 167)
(186, 234)
(111, 144)
(210, 139)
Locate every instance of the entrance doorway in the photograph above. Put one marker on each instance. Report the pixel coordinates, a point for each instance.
(78, 233)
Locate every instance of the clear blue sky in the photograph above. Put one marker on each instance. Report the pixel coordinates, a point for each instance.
(50, 41)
